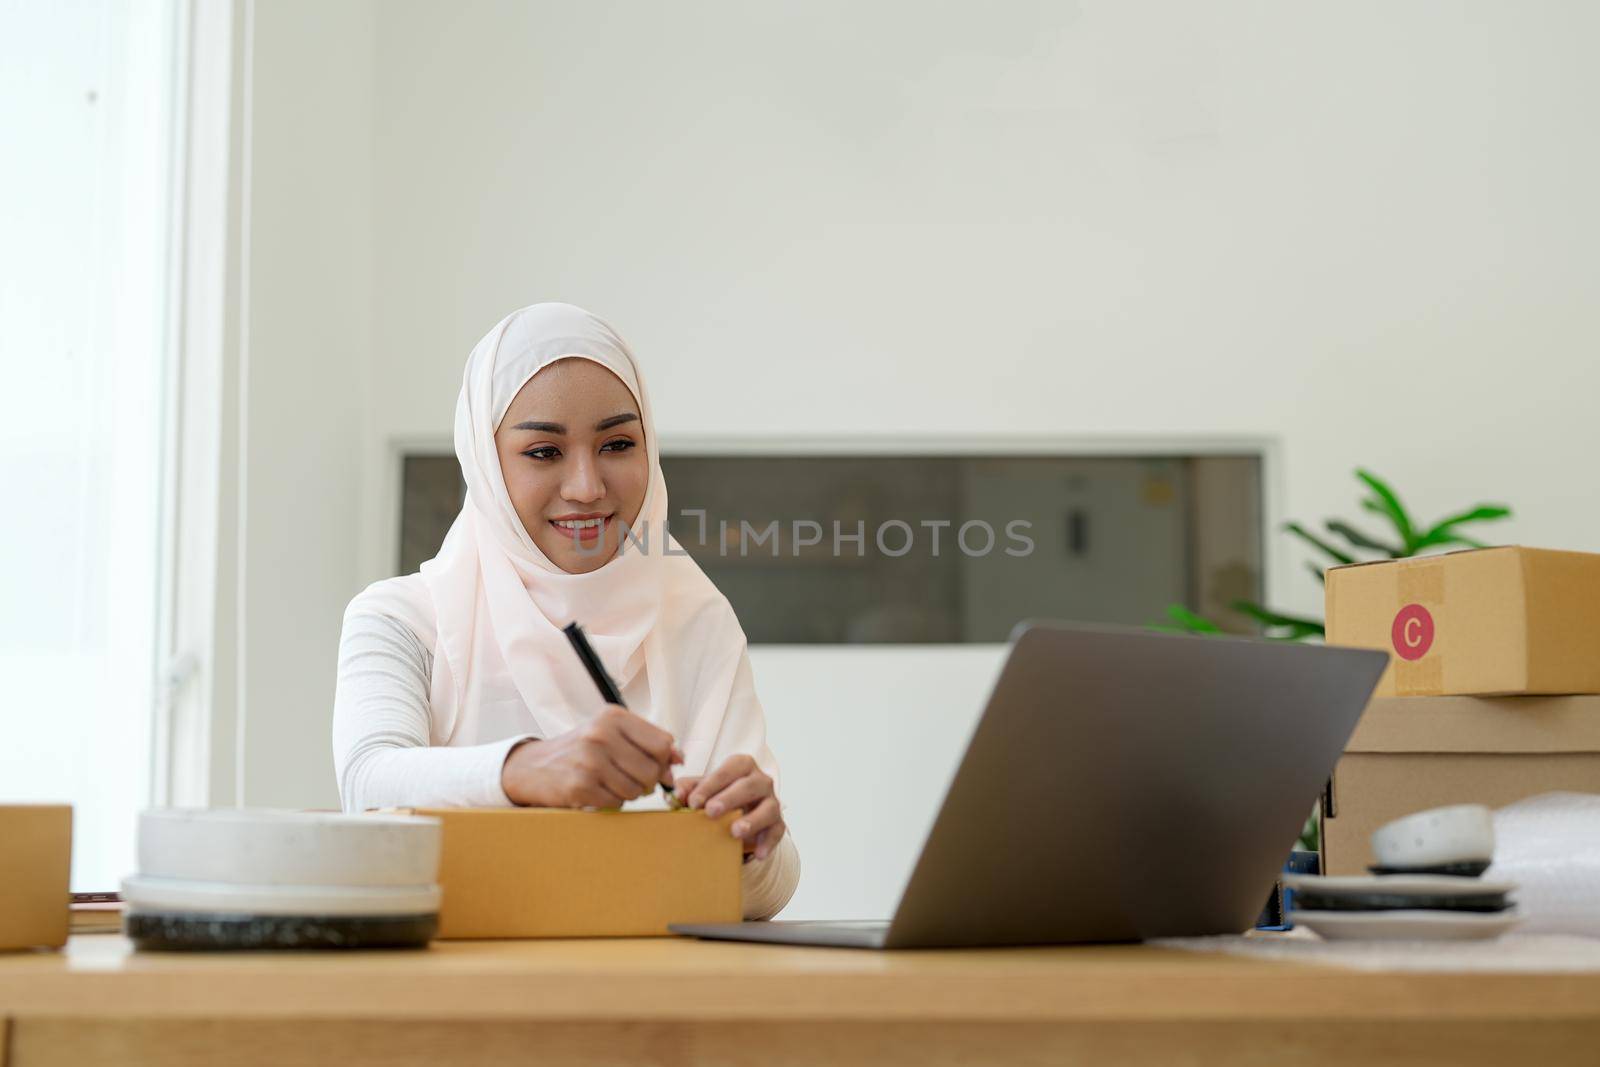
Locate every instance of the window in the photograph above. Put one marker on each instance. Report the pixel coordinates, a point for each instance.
(86, 93)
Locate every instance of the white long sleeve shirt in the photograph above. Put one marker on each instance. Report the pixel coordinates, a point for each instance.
(383, 758)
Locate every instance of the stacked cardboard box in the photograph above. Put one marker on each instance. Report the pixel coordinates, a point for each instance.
(1493, 689)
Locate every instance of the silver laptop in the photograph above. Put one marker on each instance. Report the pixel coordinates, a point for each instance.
(1121, 785)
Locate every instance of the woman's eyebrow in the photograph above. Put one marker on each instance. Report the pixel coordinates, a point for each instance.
(560, 428)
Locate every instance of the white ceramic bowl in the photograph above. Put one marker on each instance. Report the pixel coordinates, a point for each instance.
(226, 898)
(256, 847)
(1455, 834)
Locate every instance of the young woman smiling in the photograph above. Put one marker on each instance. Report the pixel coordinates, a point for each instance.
(456, 686)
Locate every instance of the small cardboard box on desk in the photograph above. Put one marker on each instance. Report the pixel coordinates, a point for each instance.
(35, 875)
(1490, 694)
(543, 872)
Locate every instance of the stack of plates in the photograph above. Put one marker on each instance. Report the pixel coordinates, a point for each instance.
(1413, 907)
(230, 879)
(1426, 886)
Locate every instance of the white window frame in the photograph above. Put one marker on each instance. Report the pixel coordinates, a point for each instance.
(196, 737)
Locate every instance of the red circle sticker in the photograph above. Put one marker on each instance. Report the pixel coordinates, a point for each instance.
(1412, 632)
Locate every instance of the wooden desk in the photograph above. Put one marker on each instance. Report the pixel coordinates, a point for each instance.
(675, 1002)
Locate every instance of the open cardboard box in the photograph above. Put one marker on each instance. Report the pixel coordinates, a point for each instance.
(1413, 753)
(1485, 621)
(544, 872)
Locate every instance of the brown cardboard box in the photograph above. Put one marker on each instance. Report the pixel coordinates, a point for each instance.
(541, 872)
(1486, 621)
(1413, 753)
(35, 874)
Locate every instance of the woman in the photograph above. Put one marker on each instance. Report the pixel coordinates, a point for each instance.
(457, 687)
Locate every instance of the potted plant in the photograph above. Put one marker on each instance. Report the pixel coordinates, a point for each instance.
(1344, 543)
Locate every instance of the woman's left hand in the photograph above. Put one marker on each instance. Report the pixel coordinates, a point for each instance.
(740, 784)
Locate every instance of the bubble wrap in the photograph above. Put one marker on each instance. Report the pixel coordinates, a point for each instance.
(1550, 846)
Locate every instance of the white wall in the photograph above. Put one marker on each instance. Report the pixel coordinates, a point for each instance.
(869, 739)
(1363, 230)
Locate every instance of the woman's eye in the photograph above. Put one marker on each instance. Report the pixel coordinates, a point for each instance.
(619, 445)
(542, 452)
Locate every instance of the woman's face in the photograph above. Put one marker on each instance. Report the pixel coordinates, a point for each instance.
(572, 451)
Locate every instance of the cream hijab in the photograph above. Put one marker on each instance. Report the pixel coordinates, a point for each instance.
(492, 605)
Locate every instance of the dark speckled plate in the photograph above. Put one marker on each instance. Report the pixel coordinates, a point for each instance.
(188, 931)
(1309, 900)
(1459, 869)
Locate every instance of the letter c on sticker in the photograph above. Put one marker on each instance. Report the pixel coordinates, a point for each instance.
(1412, 632)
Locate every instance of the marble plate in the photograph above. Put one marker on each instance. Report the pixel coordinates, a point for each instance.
(1406, 925)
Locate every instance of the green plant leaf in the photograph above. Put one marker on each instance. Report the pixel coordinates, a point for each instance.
(1377, 507)
(1481, 513)
(1359, 539)
(1388, 504)
(1317, 573)
(1444, 532)
(1298, 627)
(1190, 622)
(1306, 535)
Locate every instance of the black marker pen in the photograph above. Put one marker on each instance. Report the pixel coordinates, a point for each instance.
(608, 689)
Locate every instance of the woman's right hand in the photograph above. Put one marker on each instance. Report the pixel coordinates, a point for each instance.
(617, 756)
